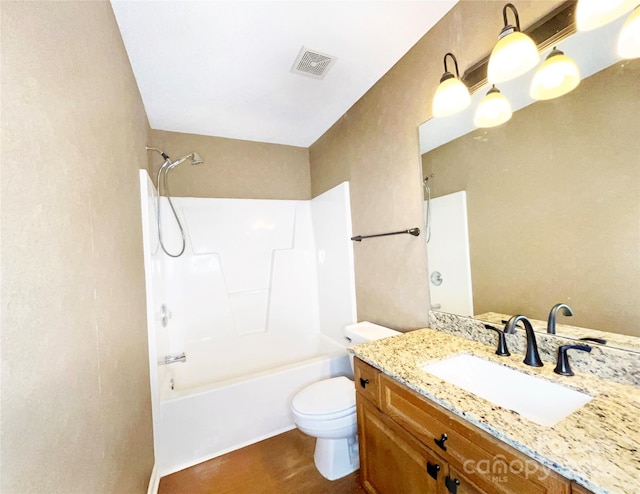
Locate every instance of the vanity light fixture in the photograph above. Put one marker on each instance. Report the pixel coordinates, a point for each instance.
(493, 110)
(629, 39)
(557, 76)
(452, 96)
(514, 54)
(592, 14)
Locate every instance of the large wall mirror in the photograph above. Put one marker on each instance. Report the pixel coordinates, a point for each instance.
(552, 197)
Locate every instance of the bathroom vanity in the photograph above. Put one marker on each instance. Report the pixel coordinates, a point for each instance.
(418, 433)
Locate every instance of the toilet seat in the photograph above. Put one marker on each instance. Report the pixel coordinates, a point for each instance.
(326, 400)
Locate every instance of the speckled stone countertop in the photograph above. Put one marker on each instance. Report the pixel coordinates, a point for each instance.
(598, 446)
(603, 361)
(622, 341)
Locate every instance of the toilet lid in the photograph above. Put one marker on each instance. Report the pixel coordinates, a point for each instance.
(326, 397)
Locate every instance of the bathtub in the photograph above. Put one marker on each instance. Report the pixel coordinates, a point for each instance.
(232, 392)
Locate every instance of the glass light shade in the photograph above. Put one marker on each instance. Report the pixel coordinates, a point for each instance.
(558, 75)
(629, 40)
(513, 55)
(451, 97)
(493, 110)
(591, 14)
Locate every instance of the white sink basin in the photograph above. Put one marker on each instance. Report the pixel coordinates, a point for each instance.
(538, 400)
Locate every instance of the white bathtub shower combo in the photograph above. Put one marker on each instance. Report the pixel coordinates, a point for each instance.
(257, 303)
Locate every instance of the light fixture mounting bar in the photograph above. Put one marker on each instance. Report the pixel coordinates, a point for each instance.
(547, 31)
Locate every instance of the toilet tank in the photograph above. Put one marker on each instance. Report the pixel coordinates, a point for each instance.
(366, 331)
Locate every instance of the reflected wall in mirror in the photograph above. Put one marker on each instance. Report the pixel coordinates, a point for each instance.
(553, 201)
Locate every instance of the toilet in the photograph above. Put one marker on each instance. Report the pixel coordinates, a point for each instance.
(327, 410)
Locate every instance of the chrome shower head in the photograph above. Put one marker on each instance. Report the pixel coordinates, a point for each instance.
(193, 157)
(196, 159)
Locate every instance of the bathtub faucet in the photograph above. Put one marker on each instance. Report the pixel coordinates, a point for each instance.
(172, 359)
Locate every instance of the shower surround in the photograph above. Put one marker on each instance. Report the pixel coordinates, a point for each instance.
(257, 303)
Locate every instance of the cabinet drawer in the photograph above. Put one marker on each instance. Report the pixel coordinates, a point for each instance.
(486, 462)
(366, 380)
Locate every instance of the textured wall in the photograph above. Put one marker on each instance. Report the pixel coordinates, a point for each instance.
(233, 168)
(375, 146)
(553, 202)
(76, 411)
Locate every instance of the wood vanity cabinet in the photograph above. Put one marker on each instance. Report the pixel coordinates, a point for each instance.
(578, 489)
(409, 444)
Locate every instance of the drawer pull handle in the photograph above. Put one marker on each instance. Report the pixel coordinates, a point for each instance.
(433, 469)
(440, 442)
(451, 484)
(364, 382)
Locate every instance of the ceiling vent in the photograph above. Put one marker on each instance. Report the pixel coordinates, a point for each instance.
(313, 63)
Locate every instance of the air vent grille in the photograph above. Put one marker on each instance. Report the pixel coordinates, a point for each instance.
(313, 63)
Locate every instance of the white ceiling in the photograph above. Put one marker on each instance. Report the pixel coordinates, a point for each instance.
(222, 68)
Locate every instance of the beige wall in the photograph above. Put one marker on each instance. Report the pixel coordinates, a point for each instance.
(234, 168)
(76, 411)
(375, 146)
(553, 202)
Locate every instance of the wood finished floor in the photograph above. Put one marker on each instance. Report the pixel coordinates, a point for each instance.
(280, 465)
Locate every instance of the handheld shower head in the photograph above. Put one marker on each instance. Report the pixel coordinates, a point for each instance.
(193, 157)
(196, 159)
(163, 179)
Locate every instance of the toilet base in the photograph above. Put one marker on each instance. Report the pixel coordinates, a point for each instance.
(335, 458)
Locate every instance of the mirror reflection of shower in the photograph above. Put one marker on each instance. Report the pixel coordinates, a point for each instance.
(163, 183)
(427, 226)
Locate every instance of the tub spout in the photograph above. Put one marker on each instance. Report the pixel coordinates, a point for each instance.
(172, 359)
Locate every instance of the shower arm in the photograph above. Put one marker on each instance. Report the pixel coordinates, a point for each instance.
(161, 152)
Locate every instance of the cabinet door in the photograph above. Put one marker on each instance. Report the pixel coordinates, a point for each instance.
(489, 463)
(392, 461)
(578, 489)
(457, 483)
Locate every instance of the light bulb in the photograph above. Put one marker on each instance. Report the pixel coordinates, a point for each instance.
(558, 75)
(514, 54)
(451, 97)
(591, 14)
(494, 110)
(629, 39)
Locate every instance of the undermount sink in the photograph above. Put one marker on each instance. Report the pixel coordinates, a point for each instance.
(536, 399)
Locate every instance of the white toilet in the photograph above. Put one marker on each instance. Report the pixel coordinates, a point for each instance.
(327, 410)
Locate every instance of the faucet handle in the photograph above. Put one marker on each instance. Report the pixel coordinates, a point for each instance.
(562, 367)
(594, 340)
(502, 349)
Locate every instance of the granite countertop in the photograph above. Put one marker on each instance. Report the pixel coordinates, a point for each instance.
(623, 341)
(598, 446)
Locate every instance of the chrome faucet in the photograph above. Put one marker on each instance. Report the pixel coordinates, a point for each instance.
(172, 359)
(551, 323)
(532, 357)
